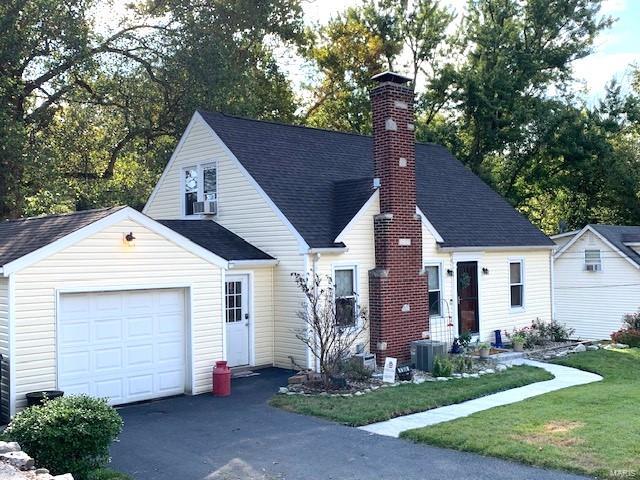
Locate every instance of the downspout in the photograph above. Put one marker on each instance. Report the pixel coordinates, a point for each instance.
(553, 280)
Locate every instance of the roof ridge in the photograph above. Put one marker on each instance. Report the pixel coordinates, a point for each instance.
(65, 214)
(306, 127)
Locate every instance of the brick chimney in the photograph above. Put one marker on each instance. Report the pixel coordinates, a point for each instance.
(398, 291)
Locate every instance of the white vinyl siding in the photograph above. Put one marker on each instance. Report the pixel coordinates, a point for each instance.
(102, 261)
(361, 254)
(493, 287)
(4, 346)
(263, 308)
(594, 303)
(244, 211)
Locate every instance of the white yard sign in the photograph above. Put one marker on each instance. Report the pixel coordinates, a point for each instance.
(389, 375)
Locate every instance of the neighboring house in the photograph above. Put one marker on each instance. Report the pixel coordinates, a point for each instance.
(405, 230)
(597, 278)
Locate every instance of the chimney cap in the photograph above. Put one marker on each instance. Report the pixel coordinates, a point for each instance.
(390, 76)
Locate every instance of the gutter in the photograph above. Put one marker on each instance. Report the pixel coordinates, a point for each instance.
(494, 248)
(253, 263)
(329, 250)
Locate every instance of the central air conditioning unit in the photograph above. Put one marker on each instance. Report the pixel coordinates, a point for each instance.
(423, 353)
(206, 208)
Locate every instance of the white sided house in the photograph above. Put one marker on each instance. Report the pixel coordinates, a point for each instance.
(597, 278)
(404, 229)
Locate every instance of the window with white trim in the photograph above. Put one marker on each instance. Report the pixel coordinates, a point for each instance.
(200, 184)
(592, 260)
(345, 293)
(516, 283)
(435, 292)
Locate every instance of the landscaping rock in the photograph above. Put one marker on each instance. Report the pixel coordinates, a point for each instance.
(474, 375)
(457, 375)
(297, 379)
(593, 348)
(418, 381)
(42, 471)
(359, 394)
(20, 460)
(465, 375)
(564, 353)
(579, 348)
(501, 367)
(283, 390)
(489, 371)
(442, 379)
(6, 447)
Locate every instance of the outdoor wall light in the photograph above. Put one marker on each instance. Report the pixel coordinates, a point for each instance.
(129, 239)
(485, 270)
(450, 272)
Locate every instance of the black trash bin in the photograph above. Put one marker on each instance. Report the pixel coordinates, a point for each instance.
(35, 398)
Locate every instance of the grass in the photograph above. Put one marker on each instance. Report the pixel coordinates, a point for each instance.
(592, 429)
(387, 403)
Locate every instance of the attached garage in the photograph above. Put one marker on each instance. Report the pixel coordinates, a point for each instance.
(113, 304)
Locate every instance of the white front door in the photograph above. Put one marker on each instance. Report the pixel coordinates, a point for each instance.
(126, 346)
(237, 319)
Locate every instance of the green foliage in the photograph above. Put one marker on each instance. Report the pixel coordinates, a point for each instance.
(541, 333)
(465, 338)
(68, 434)
(108, 474)
(442, 367)
(632, 320)
(462, 363)
(355, 371)
(628, 336)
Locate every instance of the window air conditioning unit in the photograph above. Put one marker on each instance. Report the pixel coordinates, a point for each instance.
(423, 353)
(592, 267)
(206, 208)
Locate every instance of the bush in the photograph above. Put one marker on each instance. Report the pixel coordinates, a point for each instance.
(462, 364)
(354, 370)
(68, 434)
(628, 336)
(541, 333)
(632, 320)
(442, 367)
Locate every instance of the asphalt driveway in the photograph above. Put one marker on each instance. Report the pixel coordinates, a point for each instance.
(241, 437)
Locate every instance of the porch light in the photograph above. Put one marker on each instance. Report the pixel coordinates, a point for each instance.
(449, 272)
(485, 270)
(129, 239)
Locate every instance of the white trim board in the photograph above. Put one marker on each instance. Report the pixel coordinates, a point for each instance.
(602, 238)
(126, 213)
(429, 226)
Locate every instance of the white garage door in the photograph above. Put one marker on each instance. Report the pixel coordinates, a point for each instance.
(126, 346)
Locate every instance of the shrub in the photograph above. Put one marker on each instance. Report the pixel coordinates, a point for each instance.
(628, 336)
(541, 333)
(465, 338)
(557, 332)
(632, 320)
(462, 364)
(355, 371)
(442, 367)
(68, 434)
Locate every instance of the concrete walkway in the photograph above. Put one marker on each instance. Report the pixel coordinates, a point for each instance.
(564, 377)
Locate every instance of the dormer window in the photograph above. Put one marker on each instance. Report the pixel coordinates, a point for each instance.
(200, 185)
(592, 261)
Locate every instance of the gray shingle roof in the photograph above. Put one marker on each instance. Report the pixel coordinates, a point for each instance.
(319, 179)
(618, 235)
(25, 235)
(217, 239)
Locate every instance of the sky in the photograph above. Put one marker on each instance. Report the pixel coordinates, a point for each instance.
(615, 48)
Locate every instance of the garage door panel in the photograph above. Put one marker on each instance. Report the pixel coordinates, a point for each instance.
(125, 346)
(140, 327)
(139, 355)
(74, 333)
(108, 359)
(107, 330)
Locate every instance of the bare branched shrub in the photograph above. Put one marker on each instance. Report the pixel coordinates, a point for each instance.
(330, 328)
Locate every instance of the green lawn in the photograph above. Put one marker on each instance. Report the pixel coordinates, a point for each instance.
(387, 403)
(592, 429)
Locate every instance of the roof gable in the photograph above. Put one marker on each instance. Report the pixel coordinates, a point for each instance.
(320, 179)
